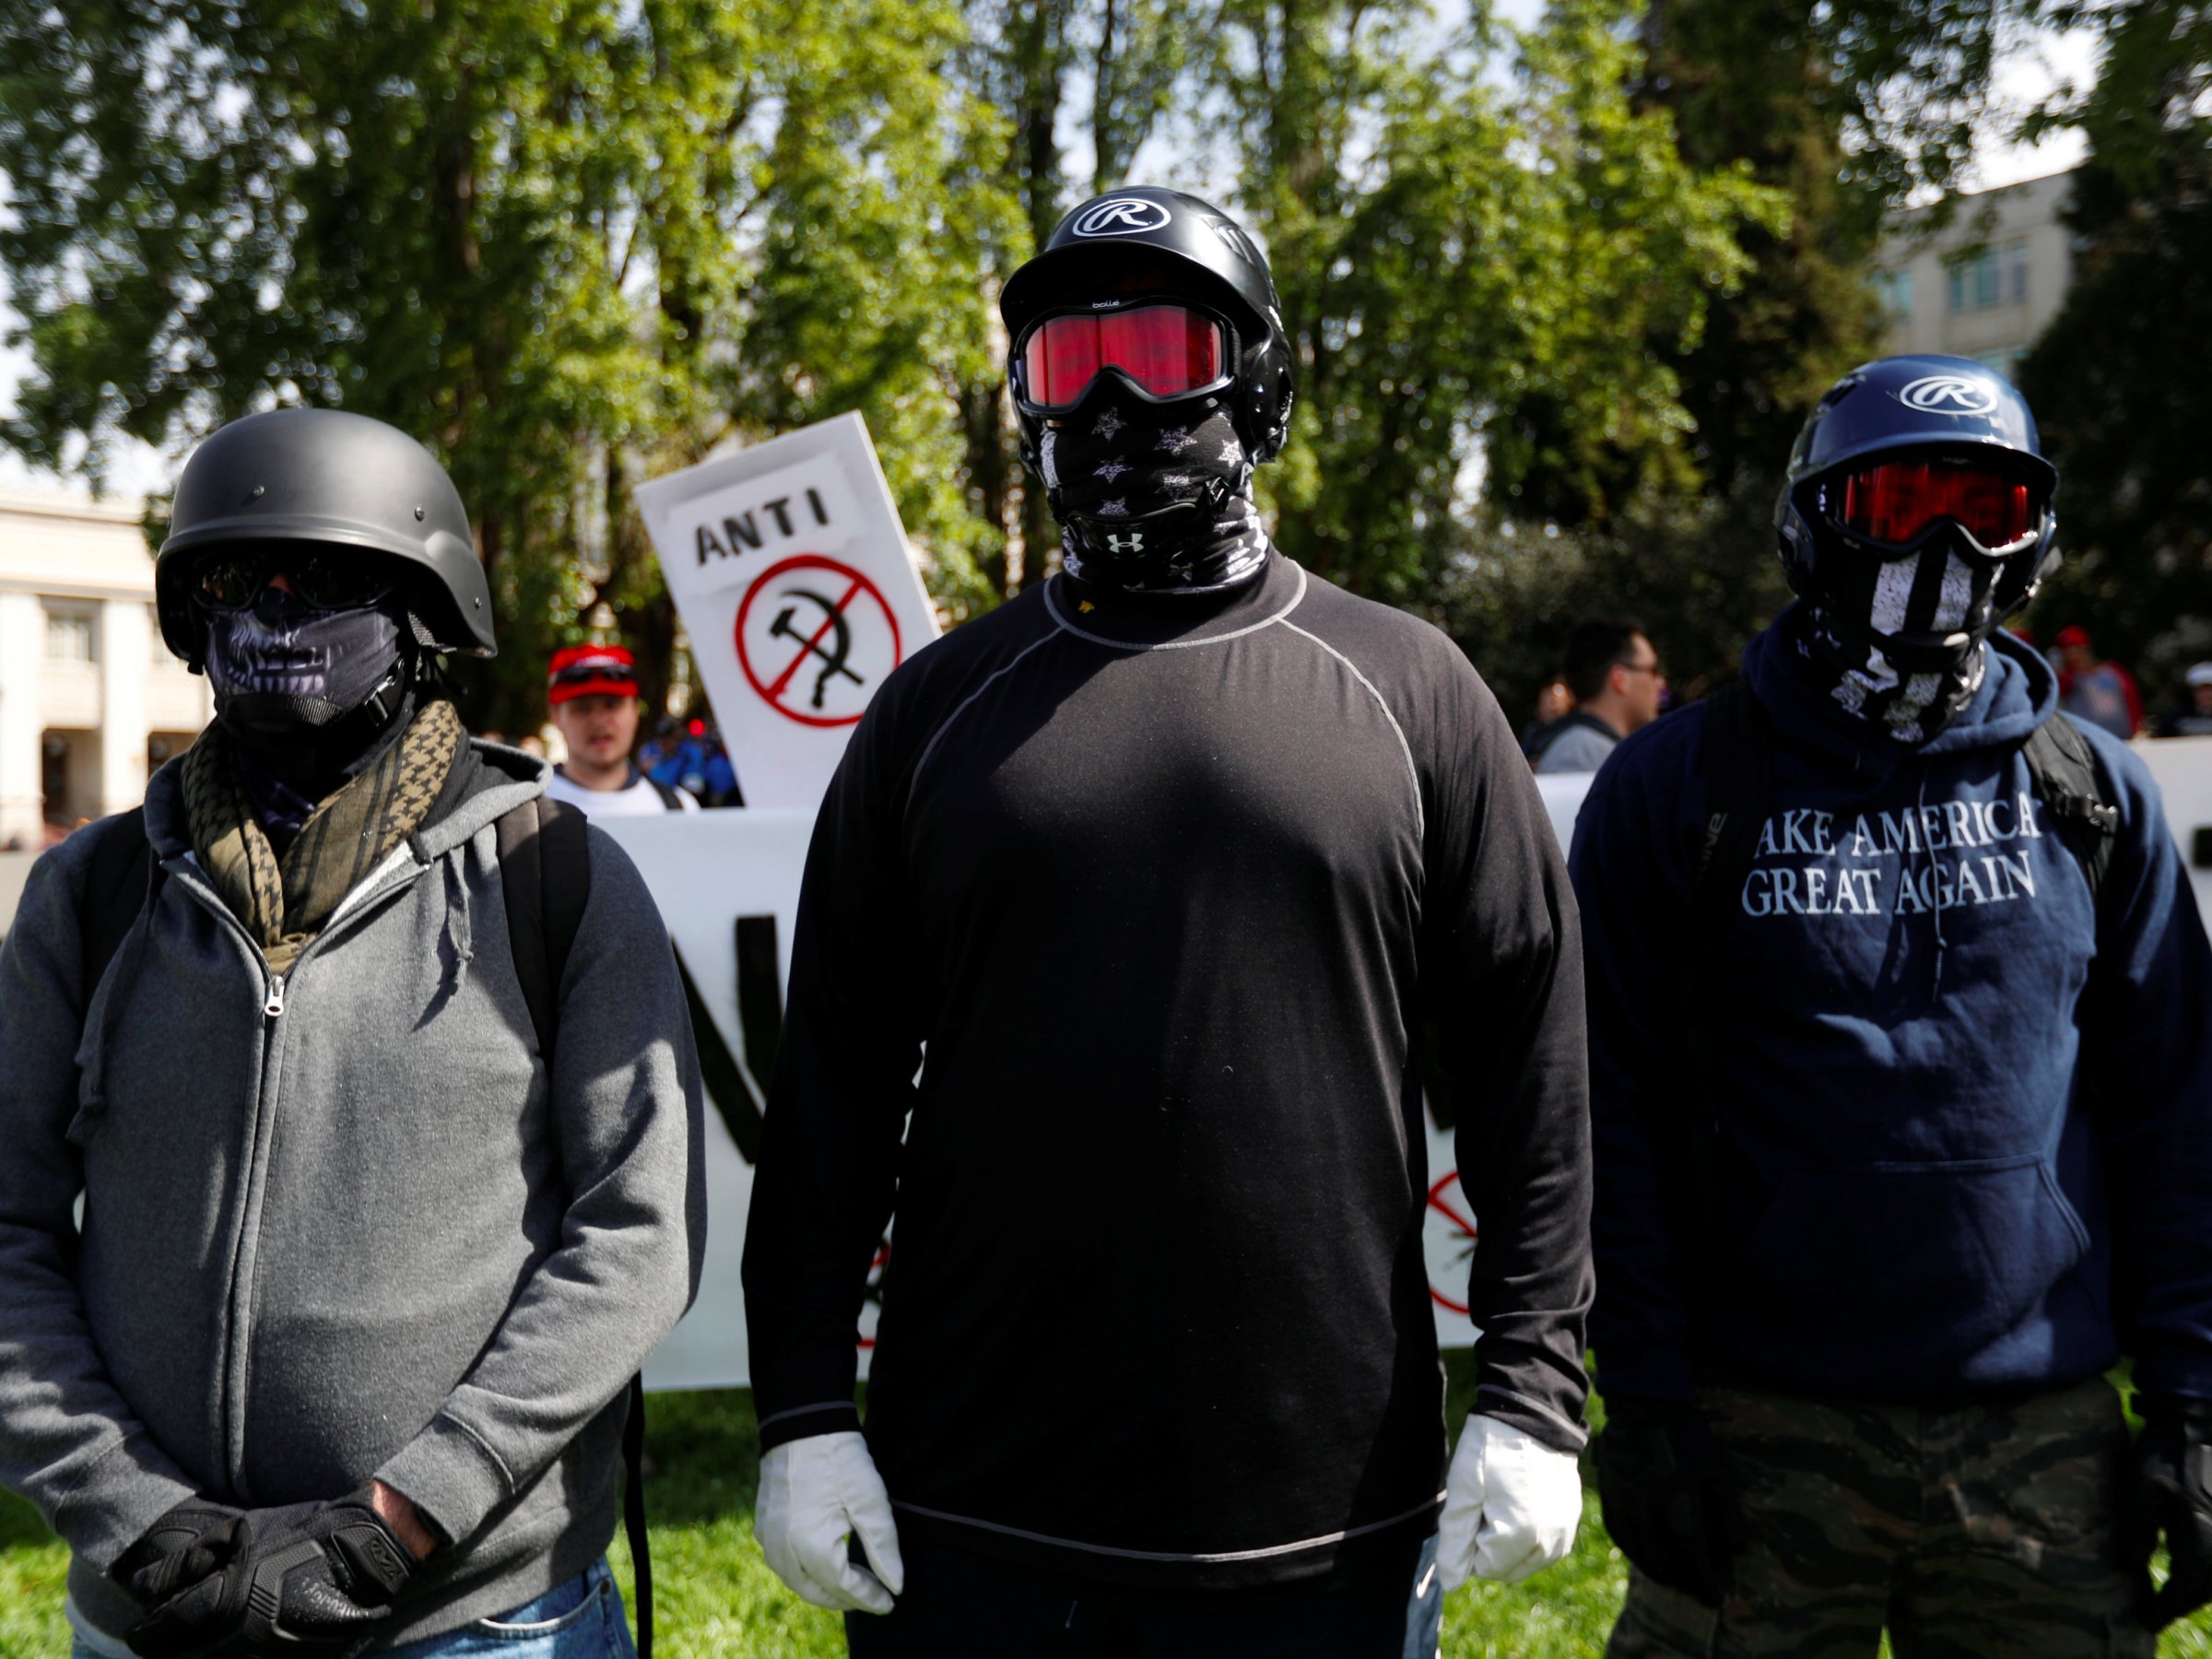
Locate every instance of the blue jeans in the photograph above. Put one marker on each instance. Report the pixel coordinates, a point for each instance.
(580, 1619)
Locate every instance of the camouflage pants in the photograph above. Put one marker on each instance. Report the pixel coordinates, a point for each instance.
(1985, 1533)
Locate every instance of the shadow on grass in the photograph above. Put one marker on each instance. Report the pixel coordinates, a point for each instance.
(703, 1456)
(19, 1525)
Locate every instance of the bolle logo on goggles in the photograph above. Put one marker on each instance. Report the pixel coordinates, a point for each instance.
(1949, 394)
(1122, 216)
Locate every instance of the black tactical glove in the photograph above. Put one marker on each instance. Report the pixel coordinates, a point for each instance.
(1668, 1499)
(310, 1580)
(2172, 1493)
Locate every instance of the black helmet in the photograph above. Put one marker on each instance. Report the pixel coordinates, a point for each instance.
(332, 478)
(1939, 408)
(1148, 226)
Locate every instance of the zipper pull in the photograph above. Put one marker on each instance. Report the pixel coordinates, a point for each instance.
(275, 1005)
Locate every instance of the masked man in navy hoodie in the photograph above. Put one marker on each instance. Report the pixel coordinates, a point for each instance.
(1902, 1098)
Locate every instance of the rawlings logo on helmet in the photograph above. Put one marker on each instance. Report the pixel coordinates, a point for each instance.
(1949, 394)
(1122, 216)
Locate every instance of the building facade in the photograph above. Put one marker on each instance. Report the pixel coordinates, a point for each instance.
(90, 701)
(1982, 284)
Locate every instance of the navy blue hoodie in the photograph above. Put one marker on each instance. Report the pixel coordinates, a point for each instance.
(1908, 1197)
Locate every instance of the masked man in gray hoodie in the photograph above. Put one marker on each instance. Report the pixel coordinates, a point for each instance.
(389, 1152)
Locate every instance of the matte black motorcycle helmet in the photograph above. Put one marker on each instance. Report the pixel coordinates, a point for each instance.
(1940, 409)
(1208, 256)
(331, 479)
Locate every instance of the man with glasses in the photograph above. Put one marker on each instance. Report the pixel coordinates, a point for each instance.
(1179, 866)
(385, 1197)
(1613, 670)
(1904, 1098)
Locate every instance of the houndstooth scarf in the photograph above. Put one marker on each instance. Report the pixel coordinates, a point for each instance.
(286, 902)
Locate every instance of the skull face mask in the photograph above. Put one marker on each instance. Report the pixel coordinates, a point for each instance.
(289, 676)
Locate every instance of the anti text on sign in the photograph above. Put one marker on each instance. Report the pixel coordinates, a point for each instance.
(815, 639)
(732, 531)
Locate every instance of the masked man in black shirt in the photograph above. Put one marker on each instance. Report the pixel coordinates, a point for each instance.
(1180, 867)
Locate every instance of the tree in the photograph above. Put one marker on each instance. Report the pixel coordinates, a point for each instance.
(1849, 108)
(1457, 255)
(1106, 68)
(2123, 414)
(565, 242)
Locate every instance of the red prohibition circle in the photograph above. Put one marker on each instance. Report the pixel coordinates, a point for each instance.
(1467, 1230)
(861, 584)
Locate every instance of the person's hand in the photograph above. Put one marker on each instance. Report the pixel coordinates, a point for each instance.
(2171, 1493)
(1512, 1504)
(816, 1493)
(307, 1580)
(1668, 1499)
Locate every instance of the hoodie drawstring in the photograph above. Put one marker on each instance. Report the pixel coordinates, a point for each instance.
(1935, 886)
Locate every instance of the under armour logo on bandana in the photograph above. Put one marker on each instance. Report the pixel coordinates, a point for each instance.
(1187, 482)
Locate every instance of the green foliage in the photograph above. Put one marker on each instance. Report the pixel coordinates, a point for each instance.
(1471, 270)
(1564, 276)
(2120, 412)
(565, 242)
(1848, 109)
(1700, 576)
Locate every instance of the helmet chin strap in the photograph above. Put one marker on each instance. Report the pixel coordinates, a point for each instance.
(314, 745)
(1908, 654)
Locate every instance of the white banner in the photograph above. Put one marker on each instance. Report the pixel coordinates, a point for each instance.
(790, 569)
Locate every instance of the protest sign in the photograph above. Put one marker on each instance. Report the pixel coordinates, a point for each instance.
(790, 569)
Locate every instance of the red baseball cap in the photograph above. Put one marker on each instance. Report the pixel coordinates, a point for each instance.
(590, 671)
(2071, 636)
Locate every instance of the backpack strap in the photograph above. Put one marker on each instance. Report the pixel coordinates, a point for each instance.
(670, 797)
(1737, 763)
(633, 1511)
(121, 881)
(546, 874)
(2063, 769)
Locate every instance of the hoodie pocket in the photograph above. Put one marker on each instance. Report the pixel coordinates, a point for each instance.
(1906, 1268)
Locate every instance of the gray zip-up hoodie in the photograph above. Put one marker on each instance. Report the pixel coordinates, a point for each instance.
(345, 1222)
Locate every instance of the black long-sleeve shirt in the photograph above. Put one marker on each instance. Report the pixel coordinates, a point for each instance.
(1174, 893)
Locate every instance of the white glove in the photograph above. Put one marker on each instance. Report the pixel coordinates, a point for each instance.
(1512, 1504)
(815, 1493)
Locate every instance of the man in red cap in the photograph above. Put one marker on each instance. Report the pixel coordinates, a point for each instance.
(593, 693)
(2103, 694)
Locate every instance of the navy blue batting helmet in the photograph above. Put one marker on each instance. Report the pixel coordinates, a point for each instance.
(1906, 448)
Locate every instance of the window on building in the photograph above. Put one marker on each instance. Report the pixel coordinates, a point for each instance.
(1992, 277)
(69, 635)
(1895, 290)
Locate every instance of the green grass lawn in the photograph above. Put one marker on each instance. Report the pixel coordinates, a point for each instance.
(718, 1600)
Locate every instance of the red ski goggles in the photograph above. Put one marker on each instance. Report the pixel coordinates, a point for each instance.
(1168, 350)
(1896, 502)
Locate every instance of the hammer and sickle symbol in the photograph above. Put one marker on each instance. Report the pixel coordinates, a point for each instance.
(832, 655)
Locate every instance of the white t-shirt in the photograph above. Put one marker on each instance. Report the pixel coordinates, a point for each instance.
(638, 798)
